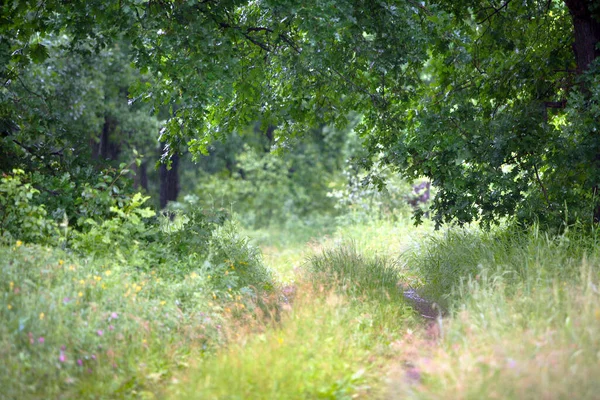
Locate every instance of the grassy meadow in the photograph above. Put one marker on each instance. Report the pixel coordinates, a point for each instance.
(522, 320)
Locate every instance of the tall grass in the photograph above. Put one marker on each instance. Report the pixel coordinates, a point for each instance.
(524, 315)
(332, 342)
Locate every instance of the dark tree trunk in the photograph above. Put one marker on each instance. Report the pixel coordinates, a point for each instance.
(105, 149)
(169, 181)
(586, 30)
(586, 34)
(141, 176)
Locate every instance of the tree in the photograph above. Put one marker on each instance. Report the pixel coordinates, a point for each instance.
(489, 99)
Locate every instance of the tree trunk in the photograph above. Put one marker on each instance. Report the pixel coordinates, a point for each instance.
(586, 30)
(140, 179)
(169, 181)
(586, 33)
(105, 149)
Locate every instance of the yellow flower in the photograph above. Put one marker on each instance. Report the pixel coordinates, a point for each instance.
(60, 262)
(226, 272)
(138, 288)
(280, 340)
(80, 294)
(12, 285)
(214, 296)
(42, 315)
(98, 278)
(107, 273)
(71, 267)
(209, 277)
(9, 306)
(82, 282)
(228, 309)
(19, 243)
(162, 303)
(103, 286)
(144, 341)
(193, 275)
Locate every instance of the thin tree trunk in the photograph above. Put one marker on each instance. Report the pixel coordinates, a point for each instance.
(169, 181)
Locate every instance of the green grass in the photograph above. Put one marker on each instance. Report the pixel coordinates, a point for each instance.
(333, 341)
(523, 321)
(524, 316)
(74, 327)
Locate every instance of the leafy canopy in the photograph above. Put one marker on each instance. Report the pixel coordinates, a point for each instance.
(455, 91)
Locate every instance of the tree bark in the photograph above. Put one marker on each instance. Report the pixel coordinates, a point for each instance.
(140, 179)
(586, 33)
(169, 181)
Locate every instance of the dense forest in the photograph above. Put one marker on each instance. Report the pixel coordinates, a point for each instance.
(275, 199)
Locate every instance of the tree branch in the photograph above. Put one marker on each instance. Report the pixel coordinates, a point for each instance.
(496, 11)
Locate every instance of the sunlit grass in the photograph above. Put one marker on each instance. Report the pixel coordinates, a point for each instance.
(524, 319)
(330, 342)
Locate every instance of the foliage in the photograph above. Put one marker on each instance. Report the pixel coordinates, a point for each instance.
(20, 216)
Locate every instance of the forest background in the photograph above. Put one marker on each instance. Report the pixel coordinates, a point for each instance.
(174, 158)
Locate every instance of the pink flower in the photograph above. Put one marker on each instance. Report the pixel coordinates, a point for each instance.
(66, 300)
(41, 340)
(114, 315)
(112, 328)
(79, 362)
(93, 356)
(62, 357)
(100, 332)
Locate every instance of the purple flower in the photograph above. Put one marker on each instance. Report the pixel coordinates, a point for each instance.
(62, 357)
(114, 315)
(112, 328)
(41, 340)
(100, 332)
(66, 300)
(80, 362)
(93, 356)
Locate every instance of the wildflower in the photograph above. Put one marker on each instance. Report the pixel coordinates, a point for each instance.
(107, 273)
(42, 315)
(111, 328)
(41, 340)
(209, 277)
(93, 356)
(62, 357)
(114, 315)
(103, 286)
(61, 262)
(80, 294)
(71, 267)
(80, 362)
(9, 306)
(193, 275)
(226, 272)
(98, 278)
(162, 303)
(12, 285)
(19, 243)
(81, 282)
(100, 332)
(280, 340)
